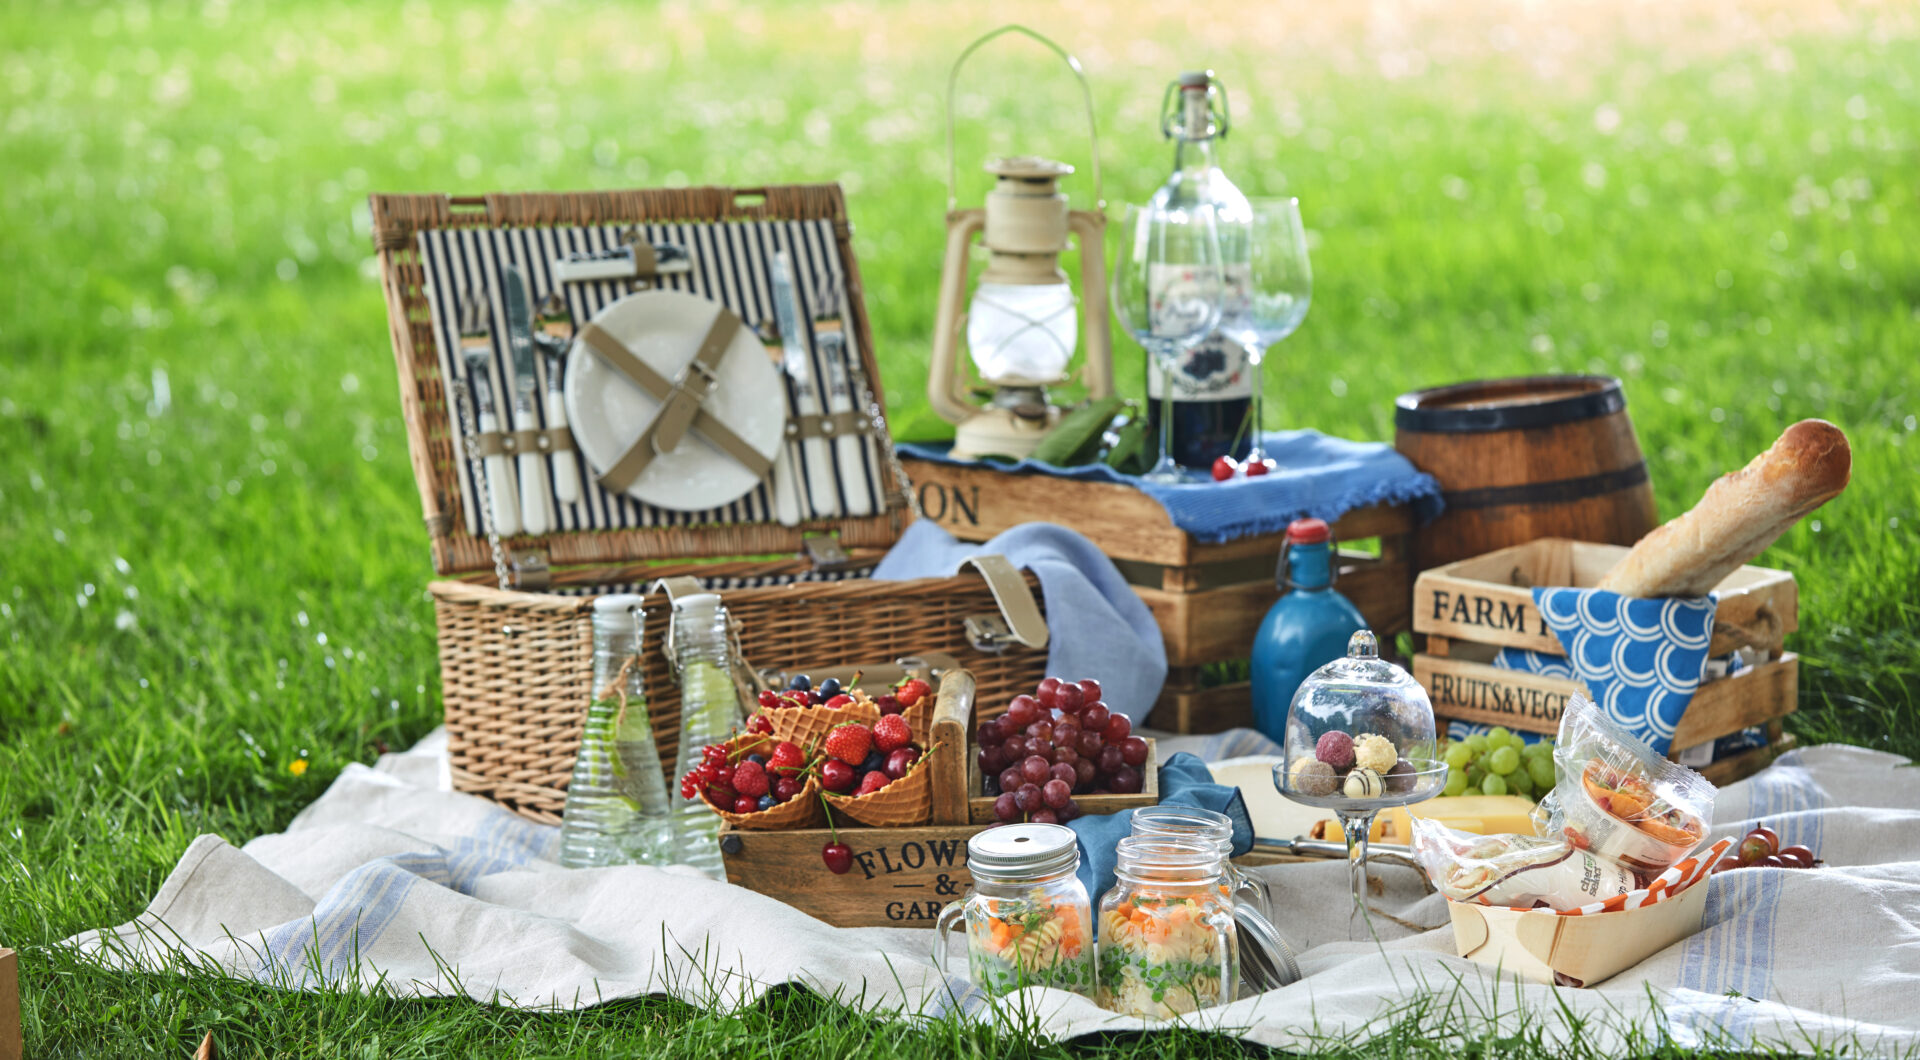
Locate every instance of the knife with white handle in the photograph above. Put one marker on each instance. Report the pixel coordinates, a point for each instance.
(503, 506)
(821, 495)
(830, 336)
(536, 504)
(786, 499)
(553, 338)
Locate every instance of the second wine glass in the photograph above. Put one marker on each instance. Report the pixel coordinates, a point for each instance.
(1167, 288)
(1277, 291)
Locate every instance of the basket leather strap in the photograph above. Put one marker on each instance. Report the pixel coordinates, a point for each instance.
(680, 399)
(1025, 624)
(508, 443)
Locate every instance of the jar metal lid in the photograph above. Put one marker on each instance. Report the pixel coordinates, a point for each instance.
(617, 603)
(1266, 961)
(1022, 851)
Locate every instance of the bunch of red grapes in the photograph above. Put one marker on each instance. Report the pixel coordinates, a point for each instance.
(1055, 744)
(1761, 846)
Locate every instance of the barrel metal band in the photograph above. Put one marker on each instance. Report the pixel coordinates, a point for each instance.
(1559, 491)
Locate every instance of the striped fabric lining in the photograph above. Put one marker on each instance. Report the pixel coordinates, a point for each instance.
(719, 585)
(732, 264)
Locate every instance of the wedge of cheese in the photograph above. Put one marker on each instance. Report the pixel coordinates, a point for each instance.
(1478, 814)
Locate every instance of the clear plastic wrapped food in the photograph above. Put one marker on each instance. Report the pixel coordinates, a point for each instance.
(1517, 871)
(1616, 797)
(1028, 919)
(1167, 935)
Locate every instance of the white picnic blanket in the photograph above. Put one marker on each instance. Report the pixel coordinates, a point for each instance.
(390, 882)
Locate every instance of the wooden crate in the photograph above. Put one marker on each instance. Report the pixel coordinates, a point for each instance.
(1208, 599)
(1471, 609)
(901, 877)
(12, 1045)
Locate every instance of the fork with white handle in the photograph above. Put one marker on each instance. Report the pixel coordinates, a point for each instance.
(476, 348)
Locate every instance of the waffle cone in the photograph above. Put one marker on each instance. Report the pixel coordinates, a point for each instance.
(808, 726)
(802, 811)
(920, 719)
(906, 801)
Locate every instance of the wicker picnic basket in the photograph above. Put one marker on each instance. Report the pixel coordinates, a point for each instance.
(514, 614)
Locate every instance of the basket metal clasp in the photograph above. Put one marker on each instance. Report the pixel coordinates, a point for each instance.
(989, 634)
(529, 569)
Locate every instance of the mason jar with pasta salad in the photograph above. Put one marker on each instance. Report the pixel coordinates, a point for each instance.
(1027, 917)
(1167, 936)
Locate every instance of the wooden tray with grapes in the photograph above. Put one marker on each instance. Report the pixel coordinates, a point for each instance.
(894, 875)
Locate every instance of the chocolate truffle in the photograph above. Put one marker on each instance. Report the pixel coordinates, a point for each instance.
(1400, 778)
(1335, 749)
(1364, 783)
(1374, 752)
(1313, 777)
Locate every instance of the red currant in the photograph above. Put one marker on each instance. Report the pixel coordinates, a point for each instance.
(1223, 468)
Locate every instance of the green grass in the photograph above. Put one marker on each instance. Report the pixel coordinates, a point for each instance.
(211, 564)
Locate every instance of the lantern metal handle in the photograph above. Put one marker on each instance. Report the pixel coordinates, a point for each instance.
(1086, 95)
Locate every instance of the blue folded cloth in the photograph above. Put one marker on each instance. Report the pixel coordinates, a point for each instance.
(1097, 626)
(1184, 781)
(1641, 659)
(1317, 476)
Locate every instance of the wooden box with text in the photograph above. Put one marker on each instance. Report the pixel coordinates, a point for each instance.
(1471, 609)
(901, 877)
(1207, 598)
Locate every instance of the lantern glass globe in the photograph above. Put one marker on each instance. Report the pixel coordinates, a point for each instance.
(1022, 333)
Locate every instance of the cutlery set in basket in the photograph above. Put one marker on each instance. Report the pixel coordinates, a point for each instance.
(605, 389)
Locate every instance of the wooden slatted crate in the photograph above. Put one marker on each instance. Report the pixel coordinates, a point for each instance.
(1471, 609)
(1207, 598)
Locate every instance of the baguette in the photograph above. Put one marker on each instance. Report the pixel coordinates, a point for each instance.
(1740, 515)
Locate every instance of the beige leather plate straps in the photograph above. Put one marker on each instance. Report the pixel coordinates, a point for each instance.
(679, 399)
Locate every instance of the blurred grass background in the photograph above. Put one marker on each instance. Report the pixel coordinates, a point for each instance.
(211, 560)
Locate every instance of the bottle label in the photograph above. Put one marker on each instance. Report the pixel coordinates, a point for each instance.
(1215, 370)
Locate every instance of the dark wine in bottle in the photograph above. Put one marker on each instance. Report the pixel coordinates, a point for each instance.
(1210, 401)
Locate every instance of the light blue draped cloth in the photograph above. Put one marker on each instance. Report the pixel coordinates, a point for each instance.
(1097, 626)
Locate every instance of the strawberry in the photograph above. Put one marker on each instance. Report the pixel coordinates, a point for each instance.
(750, 778)
(872, 782)
(891, 732)
(911, 690)
(787, 759)
(850, 742)
(840, 700)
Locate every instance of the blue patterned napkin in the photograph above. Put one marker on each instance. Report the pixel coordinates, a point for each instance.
(1641, 659)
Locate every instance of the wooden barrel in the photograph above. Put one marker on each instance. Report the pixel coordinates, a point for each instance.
(1519, 459)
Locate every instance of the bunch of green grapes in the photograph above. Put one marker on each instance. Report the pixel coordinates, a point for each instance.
(1499, 762)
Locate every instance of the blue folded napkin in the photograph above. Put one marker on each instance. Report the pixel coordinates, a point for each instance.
(1318, 476)
(1184, 781)
(1097, 626)
(1641, 659)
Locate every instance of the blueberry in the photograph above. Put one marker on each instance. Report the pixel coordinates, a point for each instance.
(830, 687)
(757, 759)
(801, 683)
(766, 802)
(875, 760)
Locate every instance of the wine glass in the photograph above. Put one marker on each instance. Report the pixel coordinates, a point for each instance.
(1167, 292)
(1275, 296)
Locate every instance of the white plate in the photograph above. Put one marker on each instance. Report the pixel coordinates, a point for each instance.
(607, 412)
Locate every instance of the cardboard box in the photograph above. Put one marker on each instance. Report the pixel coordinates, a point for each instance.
(1546, 947)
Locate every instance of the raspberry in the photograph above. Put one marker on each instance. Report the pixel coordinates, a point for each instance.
(891, 732)
(850, 742)
(750, 778)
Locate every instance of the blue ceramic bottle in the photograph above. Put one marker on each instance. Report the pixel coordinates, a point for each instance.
(1307, 627)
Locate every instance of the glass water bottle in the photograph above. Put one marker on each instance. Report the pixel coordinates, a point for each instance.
(701, 649)
(617, 810)
(1213, 383)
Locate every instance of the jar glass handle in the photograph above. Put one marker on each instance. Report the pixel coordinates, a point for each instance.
(1222, 923)
(943, 929)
